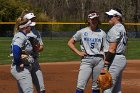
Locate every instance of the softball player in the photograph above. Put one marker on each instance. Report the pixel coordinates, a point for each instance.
(115, 49)
(36, 72)
(92, 41)
(19, 69)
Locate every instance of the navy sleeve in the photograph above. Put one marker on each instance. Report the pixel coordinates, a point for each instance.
(17, 54)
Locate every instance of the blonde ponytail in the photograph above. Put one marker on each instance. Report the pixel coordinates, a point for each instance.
(19, 19)
(16, 28)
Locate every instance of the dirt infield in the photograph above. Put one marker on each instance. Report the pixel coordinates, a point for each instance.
(61, 78)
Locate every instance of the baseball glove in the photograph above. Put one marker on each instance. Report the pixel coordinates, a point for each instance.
(104, 80)
(27, 59)
(35, 43)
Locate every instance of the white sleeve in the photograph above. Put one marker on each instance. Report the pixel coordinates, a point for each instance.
(114, 35)
(77, 36)
(19, 42)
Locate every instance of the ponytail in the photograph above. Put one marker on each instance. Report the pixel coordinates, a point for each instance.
(16, 28)
(19, 19)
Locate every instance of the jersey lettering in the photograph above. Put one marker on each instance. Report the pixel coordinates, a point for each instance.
(125, 39)
(92, 39)
(92, 45)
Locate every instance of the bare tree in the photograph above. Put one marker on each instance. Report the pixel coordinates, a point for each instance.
(76, 10)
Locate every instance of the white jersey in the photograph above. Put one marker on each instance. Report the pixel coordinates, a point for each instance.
(117, 34)
(91, 42)
(21, 40)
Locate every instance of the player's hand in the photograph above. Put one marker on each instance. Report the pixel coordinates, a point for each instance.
(106, 62)
(21, 67)
(82, 54)
(36, 47)
(106, 65)
(103, 70)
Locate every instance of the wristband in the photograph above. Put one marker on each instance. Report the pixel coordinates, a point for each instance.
(110, 57)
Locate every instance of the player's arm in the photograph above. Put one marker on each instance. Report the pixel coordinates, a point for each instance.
(71, 44)
(17, 54)
(41, 48)
(16, 49)
(41, 43)
(110, 54)
(112, 47)
(104, 43)
(113, 42)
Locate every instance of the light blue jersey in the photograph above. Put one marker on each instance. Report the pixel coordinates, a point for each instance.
(20, 43)
(92, 42)
(117, 34)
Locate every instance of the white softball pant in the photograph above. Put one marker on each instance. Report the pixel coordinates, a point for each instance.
(116, 69)
(90, 66)
(23, 78)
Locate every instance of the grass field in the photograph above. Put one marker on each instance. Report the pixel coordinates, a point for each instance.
(56, 49)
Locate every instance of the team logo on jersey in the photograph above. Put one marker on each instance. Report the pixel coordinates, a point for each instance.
(85, 34)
